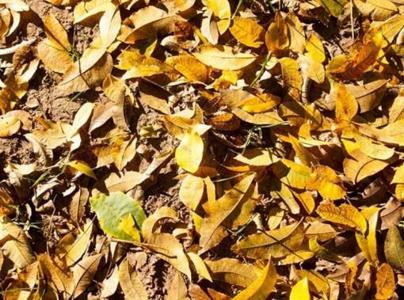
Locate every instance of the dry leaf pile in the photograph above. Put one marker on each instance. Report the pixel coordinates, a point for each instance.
(201, 149)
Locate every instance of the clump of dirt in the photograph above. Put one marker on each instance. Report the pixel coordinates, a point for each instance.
(16, 150)
(43, 8)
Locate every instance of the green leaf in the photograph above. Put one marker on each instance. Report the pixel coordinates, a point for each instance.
(113, 212)
(334, 7)
(394, 248)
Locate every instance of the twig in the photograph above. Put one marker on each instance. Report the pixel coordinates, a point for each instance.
(352, 22)
(262, 70)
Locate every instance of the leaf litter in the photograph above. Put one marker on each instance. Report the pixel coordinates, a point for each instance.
(201, 149)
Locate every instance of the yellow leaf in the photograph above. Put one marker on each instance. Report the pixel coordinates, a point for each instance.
(291, 76)
(150, 224)
(296, 33)
(292, 174)
(260, 103)
(345, 214)
(373, 149)
(138, 65)
(78, 80)
(266, 118)
(223, 58)
(82, 167)
(307, 200)
(285, 193)
(190, 67)
(379, 10)
(78, 248)
(277, 35)
(128, 226)
(297, 257)
(361, 57)
(315, 49)
(114, 88)
(84, 273)
(55, 50)
(191, 191)
(189, 153)
(200, 266)
(89, 11)
(277, 243)
(247, 32)
(362, 167)
(221, 9)
(154, 102)
(346, 106)
(326, 181)
(110, 25)
(57, 278)
(318, 282)
(233, 271)
(300, 291)
(257, 157)
(312, 68)
(212, 232)
(177, 289)
(385, 282)
(15, 245)
(368, 244)
(80, 119)
(130, 282)
(9, 125)
(262, 287)
(398, 175)
(171, 250)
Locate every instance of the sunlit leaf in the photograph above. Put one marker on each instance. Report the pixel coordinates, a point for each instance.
(112, 213)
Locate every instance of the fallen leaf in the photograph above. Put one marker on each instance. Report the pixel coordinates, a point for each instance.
(262, 287)
(113, 212)
(300, 290)
(393, 248)
(344, 214)
(15, 245)
(212, 232)
(55, 51)
(385, 282)
(130, 283)
(247, 32)
(191, 191)
(224, 58)
(84, 272)
(189, 153)
(277, 35)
